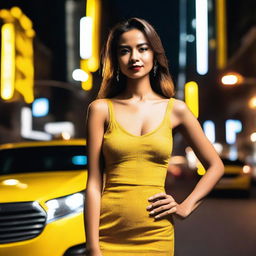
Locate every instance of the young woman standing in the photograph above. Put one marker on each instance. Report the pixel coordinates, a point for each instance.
(129, 141)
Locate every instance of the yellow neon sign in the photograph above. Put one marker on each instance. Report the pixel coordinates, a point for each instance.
(93, 11)
(221, 34)
(7, 61)
(17, 67)
(191, 97)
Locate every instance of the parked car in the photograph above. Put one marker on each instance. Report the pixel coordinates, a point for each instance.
(42, 187)
(237, 176)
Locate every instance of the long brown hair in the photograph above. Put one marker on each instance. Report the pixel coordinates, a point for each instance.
(161, 82)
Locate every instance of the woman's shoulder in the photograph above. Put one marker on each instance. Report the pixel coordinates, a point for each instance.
(180, 108)
(98, 106)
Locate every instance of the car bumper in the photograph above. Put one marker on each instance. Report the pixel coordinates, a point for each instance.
(57, 239)
(242, 182)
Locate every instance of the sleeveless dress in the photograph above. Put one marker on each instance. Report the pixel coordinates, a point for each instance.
(135, 169)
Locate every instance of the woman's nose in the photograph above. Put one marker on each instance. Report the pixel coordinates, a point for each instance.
(134, 56)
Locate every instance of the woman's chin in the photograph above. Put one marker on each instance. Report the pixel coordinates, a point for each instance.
(137, 76)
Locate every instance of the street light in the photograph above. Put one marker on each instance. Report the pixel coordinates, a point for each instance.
(232, 78)
(253, 137)
(252, 102)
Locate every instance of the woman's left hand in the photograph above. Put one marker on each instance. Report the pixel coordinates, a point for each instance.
(163, 205)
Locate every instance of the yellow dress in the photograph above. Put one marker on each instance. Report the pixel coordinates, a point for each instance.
(135, 169)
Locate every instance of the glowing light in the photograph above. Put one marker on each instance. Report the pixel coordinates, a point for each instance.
(246, 169)
(65, 135)
(17, 61)
(200, 169)
(252, 102)
(79, 160)
(218, 147)
(231, 78)
(14, 182)
(87, 85)
(25, 22)
(5, 14)
(25, 67)
(26, 127)
(80, 75)
(60, 128)
(232, 128)
(233, 153)
(53, 204)
(191, 97)
(30, 33)
(209, 130)
(191, 157)
(202, 36)
(193, 23)
(40, 107)
(7, 61)
(86, 37)
(74, 201)
(253, 137)
(10, 182)
(16, 12)
(93, 11)
(190, 38)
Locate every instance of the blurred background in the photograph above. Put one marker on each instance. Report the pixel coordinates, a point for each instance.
(48, 49)
(50, 72)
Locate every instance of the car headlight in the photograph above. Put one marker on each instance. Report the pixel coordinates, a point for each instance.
(246, 169)
(63, 206)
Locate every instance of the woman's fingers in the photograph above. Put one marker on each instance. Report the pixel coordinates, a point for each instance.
(162, 205)
(159, 196)
(166, 213)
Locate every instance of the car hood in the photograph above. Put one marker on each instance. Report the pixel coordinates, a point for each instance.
(40, 186)
(232, 169)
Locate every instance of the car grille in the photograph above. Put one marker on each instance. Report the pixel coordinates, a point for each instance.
(21, 221)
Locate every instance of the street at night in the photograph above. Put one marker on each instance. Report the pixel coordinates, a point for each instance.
(223, 225)
(99, 100)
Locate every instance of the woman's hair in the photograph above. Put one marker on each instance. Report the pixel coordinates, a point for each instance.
(161, 82)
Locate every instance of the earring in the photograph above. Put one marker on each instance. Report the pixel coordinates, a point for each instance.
(117, 75)
(155, 68)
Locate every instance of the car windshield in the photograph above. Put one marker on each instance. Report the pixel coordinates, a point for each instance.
(42, 159)
(235, 162)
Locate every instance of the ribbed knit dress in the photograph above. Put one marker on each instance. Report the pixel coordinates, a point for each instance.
(135, 169)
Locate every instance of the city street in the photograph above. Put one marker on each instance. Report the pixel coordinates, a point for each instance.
(221, 226)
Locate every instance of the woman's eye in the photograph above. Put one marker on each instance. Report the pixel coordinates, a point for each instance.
(124, 51)
(143, 49)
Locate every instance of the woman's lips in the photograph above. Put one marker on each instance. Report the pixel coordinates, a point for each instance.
(136, 68)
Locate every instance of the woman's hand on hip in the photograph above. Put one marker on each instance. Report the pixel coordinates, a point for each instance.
(161, 205)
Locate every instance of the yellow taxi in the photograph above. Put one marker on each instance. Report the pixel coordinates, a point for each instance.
(237, 176)
(42, 187)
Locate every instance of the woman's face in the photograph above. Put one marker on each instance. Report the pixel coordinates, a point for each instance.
(135, 56)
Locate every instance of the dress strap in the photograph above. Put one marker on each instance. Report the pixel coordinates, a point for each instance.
(110, 111)
(169, 109)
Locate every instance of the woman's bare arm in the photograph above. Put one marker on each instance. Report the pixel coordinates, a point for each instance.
(96, 115)
(193, 133)
(190, 128)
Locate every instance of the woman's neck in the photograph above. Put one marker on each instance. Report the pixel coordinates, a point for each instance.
(139, 89)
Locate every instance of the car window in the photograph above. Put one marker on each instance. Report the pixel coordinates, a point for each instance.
(235, 162)
(40, 159)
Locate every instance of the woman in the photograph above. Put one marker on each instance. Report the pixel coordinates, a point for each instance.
(129, 141)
